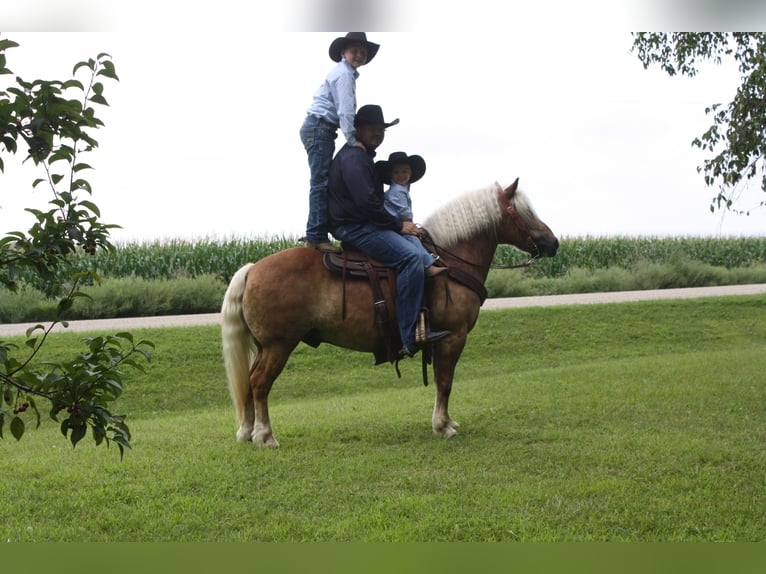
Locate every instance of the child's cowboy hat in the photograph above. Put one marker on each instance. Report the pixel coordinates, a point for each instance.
(339, 44)
(417, 165)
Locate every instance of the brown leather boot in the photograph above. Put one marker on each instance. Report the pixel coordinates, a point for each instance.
(433, 271)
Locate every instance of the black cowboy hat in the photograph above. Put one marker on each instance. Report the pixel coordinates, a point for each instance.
(417, 165)
(339, 44)
(372, 115)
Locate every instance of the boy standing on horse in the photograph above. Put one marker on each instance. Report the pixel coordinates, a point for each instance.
(358, 216)
(333, 107)
(399, 172)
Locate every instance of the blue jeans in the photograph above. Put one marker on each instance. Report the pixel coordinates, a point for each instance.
(393, 250)
(428, 259)
(318, 139)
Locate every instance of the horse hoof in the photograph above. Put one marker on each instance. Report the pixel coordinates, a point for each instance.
(244, 435)
(446, 432)
(265, 440)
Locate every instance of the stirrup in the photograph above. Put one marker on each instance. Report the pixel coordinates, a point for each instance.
(423, 333)
(421, 328)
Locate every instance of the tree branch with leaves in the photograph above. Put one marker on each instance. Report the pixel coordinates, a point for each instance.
(54, 130)
(737, 138)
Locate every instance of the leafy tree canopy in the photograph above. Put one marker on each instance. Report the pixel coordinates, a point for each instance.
(52, 122)
(737, 138)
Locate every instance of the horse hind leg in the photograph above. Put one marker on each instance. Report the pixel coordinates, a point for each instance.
(247, 421)
(267, 367)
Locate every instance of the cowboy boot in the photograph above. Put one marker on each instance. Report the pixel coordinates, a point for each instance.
(423, 333)
(433, 271)
(323, 246)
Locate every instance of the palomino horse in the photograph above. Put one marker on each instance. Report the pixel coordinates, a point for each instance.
(271, 305)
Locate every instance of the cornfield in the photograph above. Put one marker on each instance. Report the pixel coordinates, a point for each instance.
(597, 253)
(221, 258)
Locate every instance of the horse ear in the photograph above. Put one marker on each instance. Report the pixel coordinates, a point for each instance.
(510, 191)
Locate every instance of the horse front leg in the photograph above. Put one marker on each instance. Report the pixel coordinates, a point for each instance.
(446, 355)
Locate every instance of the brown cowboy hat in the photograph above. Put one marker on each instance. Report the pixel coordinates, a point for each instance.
(339, 44)
(372, 115)
(417, 165)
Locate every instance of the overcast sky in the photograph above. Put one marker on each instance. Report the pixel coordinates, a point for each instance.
(201, 136)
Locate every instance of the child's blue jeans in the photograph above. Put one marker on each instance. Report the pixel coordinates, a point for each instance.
(318, 137)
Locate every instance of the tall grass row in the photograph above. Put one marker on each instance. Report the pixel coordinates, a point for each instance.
(173, 258)
(592, 253)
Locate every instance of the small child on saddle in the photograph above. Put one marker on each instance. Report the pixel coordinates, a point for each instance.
(399, 172)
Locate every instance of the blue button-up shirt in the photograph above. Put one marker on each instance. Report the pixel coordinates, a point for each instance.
(335, 100)
(398, 201)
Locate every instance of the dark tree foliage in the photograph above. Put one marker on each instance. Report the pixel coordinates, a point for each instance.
(737, 138)
(42, 121)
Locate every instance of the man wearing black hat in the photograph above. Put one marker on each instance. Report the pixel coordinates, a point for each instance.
(333, 107)
(358, 217)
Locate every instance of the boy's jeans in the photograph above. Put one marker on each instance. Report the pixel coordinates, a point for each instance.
(318, 139)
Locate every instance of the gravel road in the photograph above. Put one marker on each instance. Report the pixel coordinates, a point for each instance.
(128, 324)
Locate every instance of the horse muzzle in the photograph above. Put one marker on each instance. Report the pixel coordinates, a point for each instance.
(547, 246)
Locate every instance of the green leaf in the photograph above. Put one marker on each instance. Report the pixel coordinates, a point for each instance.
(34, 328)
(108, 69)
(92, 207)
(81, 184)
(33, 406)
(98, 435)
(90, 64)
(64, 305)
(80, 166)
(73, 84)
(5, 44)
(77, 434)
(98, 99)
(17, 428)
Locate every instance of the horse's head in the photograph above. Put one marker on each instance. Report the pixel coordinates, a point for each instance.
(520, 226)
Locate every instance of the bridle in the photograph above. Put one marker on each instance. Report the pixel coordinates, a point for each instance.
(523, 229)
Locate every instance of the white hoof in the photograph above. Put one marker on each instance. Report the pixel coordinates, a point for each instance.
(447, 431)
(265, 439)
(245, 434)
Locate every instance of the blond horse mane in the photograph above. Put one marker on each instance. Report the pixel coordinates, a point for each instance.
(471, 214)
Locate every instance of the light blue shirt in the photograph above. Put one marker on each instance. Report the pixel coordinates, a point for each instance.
(398, 201)
(335, 100)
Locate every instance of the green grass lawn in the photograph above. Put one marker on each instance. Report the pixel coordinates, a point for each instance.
(620, 422)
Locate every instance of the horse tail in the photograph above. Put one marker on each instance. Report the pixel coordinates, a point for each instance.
(238, 348)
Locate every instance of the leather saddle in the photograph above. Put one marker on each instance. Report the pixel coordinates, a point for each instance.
(354, 264)
(351, 264)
